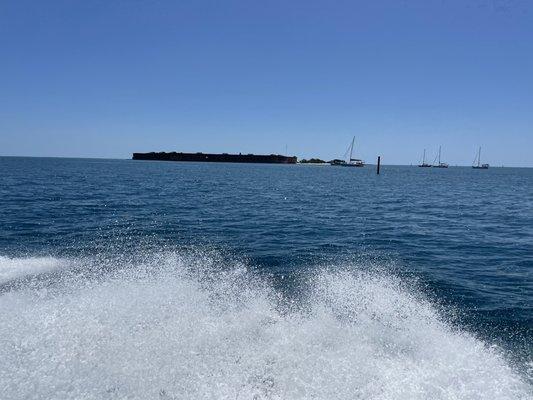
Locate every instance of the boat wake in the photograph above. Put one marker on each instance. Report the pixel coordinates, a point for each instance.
(194, 326)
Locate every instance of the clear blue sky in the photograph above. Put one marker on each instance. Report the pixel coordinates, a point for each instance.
(106, 78)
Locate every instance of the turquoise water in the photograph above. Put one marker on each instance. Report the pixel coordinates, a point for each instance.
(133, 279)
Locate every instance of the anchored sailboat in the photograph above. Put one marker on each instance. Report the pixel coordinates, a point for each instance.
(424, 163)
(478, 159)
(352, 162)
(440, 164)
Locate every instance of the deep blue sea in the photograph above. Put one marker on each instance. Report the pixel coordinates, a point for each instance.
(124, 279)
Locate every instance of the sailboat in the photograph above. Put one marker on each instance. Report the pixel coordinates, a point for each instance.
(352, 162)
(478, 159)
(424, 163)
(440, 164)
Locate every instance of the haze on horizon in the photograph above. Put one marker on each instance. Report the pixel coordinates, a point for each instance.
(108, 78)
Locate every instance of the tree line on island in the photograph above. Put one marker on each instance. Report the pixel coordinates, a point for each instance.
(312, 161)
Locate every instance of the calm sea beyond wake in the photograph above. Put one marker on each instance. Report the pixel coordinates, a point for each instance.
(124, 279)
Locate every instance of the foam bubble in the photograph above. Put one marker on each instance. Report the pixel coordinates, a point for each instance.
(181, 326)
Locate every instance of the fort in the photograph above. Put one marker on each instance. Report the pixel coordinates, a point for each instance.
(224, 157)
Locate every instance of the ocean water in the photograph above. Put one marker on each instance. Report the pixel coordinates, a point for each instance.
(126, 279)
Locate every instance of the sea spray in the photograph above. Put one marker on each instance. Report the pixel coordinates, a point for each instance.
(184, 325)
(14, 268)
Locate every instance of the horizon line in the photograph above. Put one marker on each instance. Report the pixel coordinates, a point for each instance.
(214, 162)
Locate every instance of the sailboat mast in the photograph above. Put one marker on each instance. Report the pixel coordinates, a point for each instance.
(351, 148)
(424, 157)
(439, 155)
(479, 157)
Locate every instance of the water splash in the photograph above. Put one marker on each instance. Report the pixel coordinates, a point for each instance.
(13, 268)
(193, 325)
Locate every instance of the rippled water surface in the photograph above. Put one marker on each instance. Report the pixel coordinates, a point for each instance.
(134, 279)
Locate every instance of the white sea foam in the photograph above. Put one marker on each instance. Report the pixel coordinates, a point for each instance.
(184, 327)
(13, 268)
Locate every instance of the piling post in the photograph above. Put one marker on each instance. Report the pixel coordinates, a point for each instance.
(379, 163)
